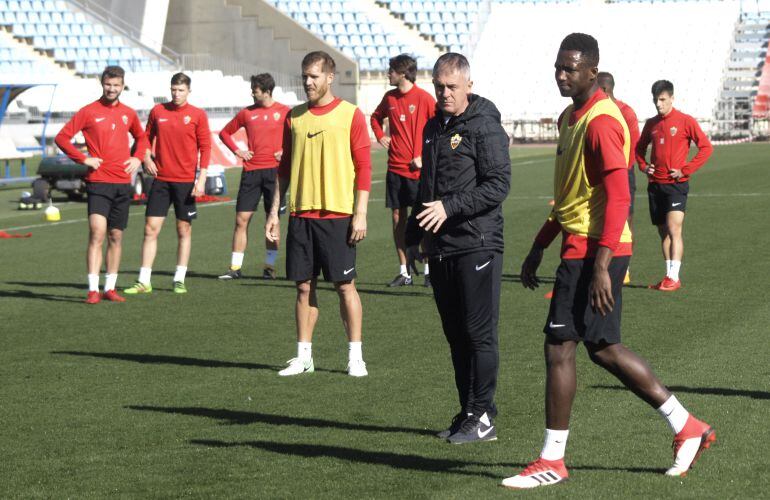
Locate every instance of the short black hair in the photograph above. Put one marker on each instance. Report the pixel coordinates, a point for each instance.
(327, 63)
(113, 72)
(662, 86)
(585, 44)
(181, 79)
(604, 75)
(404, 64)
(263, 82)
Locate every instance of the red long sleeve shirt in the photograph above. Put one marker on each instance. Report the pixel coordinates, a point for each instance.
(179, 134)
(264, 133)
(105, 127)
(407, 114)
(605, 163)
(632, 122)
(360, 150)
(671, 136)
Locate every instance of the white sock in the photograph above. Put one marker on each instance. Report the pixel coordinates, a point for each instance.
(427, 269)
(236, 261)
(109, 281)
(305, 351)
(554, 445)
(145, 273)
(402, 270)
(270, 257)
(354, 351)
(673, 271)
(668, 267)
(180, 273)
(674, 413)
(93, 282)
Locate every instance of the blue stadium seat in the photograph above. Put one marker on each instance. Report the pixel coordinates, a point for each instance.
(382, 51)
(434, 17)
(359, 51)
(348, 51)
(343, 40)
(340, 29)
(324, 17)
(379, 40)
(363, 64)
(355, 40)
(331, 40)
(353, 29)
(410, 18)
(361, 18)
(367, 40)
(440, 39)
(311, 17)
(348, 17)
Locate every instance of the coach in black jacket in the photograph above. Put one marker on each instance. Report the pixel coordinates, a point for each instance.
(458, 218)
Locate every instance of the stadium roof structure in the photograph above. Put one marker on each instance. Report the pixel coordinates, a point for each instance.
(10, 91)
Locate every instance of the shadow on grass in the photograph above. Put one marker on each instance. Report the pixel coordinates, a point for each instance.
(399, 461)
(26, 294)
(233, 417)
(394, 460)
(190, 274)
(516, 278)
(160, 359)
(48, 284)
(716, 391)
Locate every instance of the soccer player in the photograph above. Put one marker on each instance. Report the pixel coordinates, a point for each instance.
(264, 130)
(106, 124)
(326, 166)
(407, 108)
(606, 82)
(458, 217)
(591, 205)
(182, 139)
(669, 171)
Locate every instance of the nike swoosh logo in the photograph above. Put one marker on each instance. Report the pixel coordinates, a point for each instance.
(675, 204)
(348, 271)
(97, 120)
(484, 433)
(162, 119)
(310, 135)
(551, 324)
(482, 266)
(254, 117)
(190, 214)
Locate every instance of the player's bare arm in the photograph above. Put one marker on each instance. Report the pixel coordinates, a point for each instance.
(358, 224)
(272, 223)
(601, 285)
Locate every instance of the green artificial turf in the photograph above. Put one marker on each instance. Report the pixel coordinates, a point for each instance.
(177, 395)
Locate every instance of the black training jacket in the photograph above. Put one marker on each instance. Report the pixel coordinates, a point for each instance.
(465, 164)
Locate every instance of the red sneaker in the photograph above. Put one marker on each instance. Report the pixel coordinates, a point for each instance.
(93, 298)
(695, 437)
(541, 472)
(669, 285)
(113, 296)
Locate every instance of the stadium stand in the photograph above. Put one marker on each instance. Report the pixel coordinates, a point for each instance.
(70, 37)
(521, 83)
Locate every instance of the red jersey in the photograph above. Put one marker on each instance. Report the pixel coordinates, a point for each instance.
(179, 134)
(671, 136)
(360, 149)
(407, 114)
(105, 127)
(264, 132)
(632, 122)
(605, 163)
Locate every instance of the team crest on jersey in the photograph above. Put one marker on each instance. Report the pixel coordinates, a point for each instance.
(455, 141)
(412, 108)
(402, 118)
(276, 116)
(673, 131)
(187, 119)
(125, 120)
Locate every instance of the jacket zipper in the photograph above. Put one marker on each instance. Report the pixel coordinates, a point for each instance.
(481, 235)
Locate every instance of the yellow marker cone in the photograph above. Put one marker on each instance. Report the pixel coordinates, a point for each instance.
(52, 213)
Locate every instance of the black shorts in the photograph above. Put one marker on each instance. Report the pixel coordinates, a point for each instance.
(571, 316)
(315, 245)
(256, 184)
(400, 191)
(110, 200)
(665, 198)
(632, 188)
(163, 194)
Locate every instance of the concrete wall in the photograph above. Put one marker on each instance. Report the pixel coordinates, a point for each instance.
(253, 32)
(145, 18)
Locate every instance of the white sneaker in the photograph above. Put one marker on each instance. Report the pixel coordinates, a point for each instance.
(357, 368)
(297, 367)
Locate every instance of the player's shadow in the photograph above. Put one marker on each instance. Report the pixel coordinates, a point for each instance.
(48, 284)
(394, 460)
(715, 391)
(190, 274)
(26, 294)
(160, 359)
(234, 417)
(362, 288)
(516, 278)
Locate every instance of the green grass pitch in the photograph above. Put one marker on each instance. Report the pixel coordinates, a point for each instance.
(177, 396)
